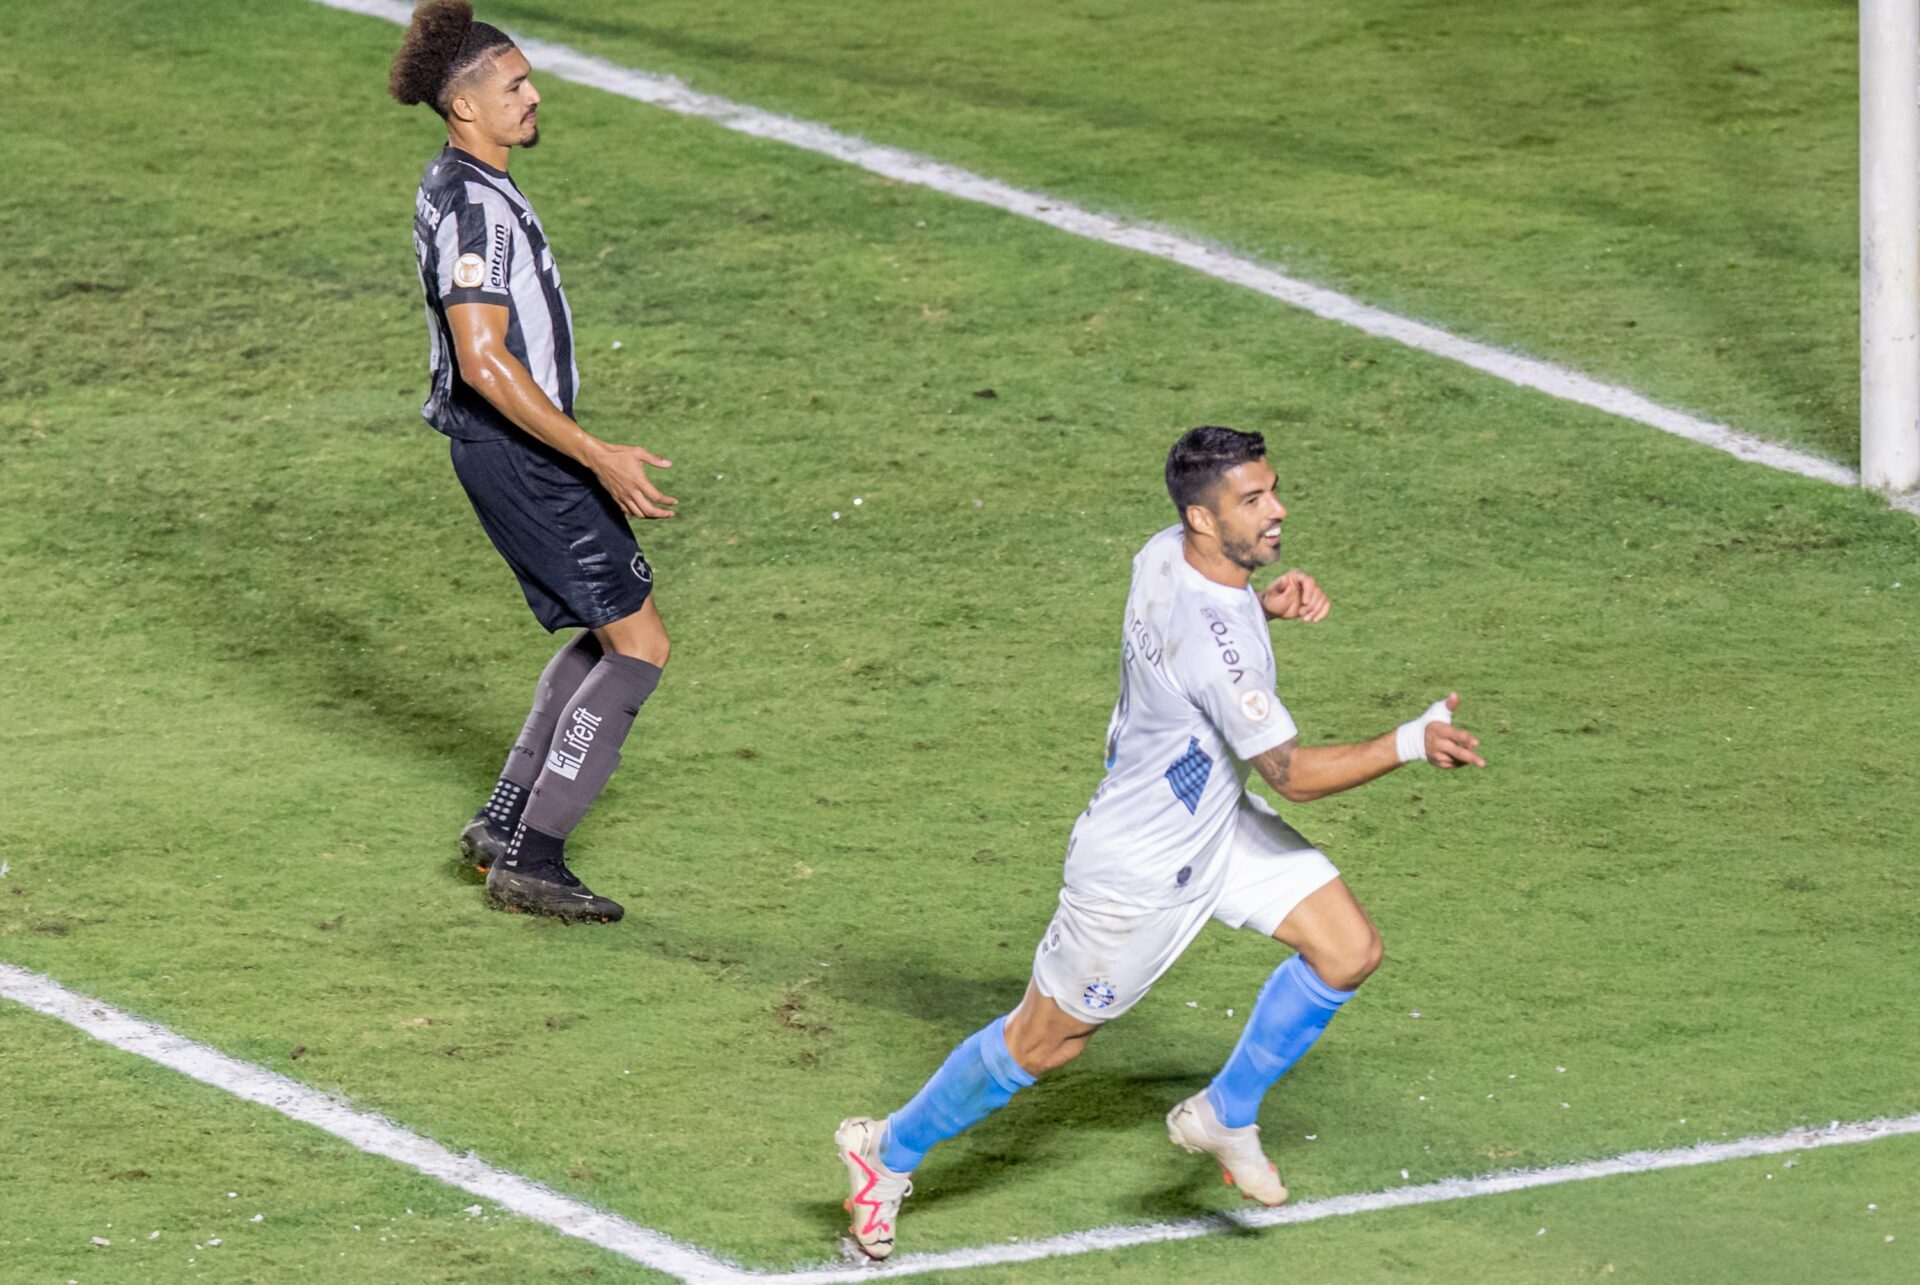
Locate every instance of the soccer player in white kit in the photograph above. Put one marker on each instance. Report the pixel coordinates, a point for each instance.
(1172, 839)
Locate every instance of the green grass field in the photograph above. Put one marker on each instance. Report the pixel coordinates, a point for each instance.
(260, 663)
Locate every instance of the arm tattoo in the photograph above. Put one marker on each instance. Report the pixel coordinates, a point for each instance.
(1276, 765)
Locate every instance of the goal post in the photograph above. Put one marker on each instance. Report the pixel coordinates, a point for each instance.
(1890, 244)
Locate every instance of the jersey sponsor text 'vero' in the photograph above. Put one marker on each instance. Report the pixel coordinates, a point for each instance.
(1196, 703)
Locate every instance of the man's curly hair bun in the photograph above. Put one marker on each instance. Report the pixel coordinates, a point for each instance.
(442, 42)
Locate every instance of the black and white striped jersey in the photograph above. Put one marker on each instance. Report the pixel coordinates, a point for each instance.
(478, 241)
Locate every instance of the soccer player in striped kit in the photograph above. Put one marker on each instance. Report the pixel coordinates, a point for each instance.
(1172, 839)
(553, 498)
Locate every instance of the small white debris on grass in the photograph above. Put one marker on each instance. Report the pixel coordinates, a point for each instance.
(1414, 1013)
(213, 1242)
(102, 1241)
(979, 503)
(233, 1195)
(1423, 1097)
(1192, 1003)
(4, 867)
(153, 1235)
(1541, 1232)
(719, 477)
(617, 345)
(1566, 1106)
(1561, 1069)
(1886, 1240)
(1769, 1177)
(472, 1211)
(1405, 1174)
(836, 515)
(1229, 1012)
(1871, 1208)
(258, 1218)
(857, 501)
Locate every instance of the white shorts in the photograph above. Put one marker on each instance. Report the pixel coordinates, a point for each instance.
(1097, 958)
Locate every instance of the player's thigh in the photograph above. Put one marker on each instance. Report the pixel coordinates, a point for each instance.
(1097, 960)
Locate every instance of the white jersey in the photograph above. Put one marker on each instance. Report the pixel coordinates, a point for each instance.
(1196, 702)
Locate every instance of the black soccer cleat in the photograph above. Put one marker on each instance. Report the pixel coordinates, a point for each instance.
(549, 889)
(480, 846)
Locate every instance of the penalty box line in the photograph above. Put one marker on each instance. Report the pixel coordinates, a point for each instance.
(1562, 382)
(379, 1136)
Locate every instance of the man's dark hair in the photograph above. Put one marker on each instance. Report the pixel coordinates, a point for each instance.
(1202, 457)
(443, 44)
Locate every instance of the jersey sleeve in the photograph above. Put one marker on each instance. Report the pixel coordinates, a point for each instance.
(474, 252)
(1225, 672)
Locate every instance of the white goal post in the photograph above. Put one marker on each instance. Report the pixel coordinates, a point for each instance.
(1890, 244)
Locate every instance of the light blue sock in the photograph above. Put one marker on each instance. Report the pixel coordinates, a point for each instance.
(977, 1079)
(1293, 1008)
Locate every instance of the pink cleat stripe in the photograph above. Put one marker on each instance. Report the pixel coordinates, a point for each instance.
(873, 1179)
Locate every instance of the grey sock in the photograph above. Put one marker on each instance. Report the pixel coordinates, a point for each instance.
(558, 683)
(586, 743)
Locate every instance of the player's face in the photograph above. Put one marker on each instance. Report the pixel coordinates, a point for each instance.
(506, 103)
(1248, 513)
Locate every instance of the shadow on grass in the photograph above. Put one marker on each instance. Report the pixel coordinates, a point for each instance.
(1022, 1143)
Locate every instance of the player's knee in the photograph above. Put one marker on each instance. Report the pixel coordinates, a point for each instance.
(1352, 961)
(1040, 1059)
(1039, 1050)
(658, 649)
(631, 638)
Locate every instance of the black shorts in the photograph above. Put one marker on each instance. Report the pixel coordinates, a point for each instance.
(562, 534)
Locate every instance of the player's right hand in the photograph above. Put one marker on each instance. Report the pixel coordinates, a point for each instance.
(1449, 746)
(622, 470)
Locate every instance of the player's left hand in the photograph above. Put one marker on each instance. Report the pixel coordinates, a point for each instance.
(1295, 596)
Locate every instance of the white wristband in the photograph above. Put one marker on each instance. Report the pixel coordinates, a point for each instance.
(1410, 739)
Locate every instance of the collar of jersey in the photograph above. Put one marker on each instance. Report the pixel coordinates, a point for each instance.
(477, 163)
(1199, 581)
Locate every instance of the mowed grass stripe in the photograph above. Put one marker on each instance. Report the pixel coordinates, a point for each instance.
(842, 827)
(906, 167)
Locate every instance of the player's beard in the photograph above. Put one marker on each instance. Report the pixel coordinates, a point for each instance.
(533, 139)
(1249, 555)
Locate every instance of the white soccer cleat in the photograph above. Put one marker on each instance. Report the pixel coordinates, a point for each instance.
(1193, 1125)
(874, 1191)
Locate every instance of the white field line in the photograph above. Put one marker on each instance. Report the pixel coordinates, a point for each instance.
(673, 95)
(381, 1137)
(1307, 1211)
(364, 1131)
